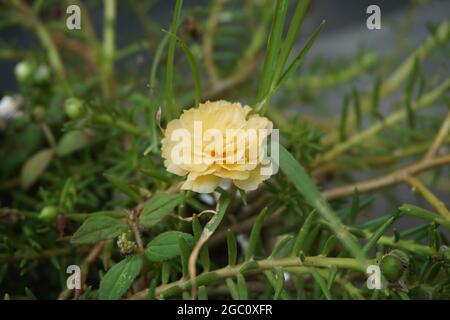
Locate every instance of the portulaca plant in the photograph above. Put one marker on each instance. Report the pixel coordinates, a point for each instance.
(207, 176)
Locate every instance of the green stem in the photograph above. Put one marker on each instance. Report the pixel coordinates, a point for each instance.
(110, 7)
(170, 58)
(415, 211)
(176, 287)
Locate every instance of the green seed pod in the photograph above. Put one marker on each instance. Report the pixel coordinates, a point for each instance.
(24, 70)
(394, 264)
(74, 108)
(49, 213)
(38, 112)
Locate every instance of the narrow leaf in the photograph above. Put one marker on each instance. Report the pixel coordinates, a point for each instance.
(185, 252)
(170, 58)
(303, 233)
(255, 234)
(232, 248)
(321, 282)
(232, 288)
(304, 184)
(193, 65)
(273, 48)
(377, 234)
(242, 287)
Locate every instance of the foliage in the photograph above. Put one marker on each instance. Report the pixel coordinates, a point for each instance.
(83, 183)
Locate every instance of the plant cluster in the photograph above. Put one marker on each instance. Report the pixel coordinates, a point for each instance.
(82, 178)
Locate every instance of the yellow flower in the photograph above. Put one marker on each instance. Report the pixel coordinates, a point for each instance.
(216, 142)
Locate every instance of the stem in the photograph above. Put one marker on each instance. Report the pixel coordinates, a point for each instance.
(110, 7)
(440, 138)
(173, 288)
(414, 211)
(385, 180)
(428, 196)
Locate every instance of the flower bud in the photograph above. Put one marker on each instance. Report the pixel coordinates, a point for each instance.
(74, 108)
(394, 264)
(49, 213)
(38, 112)
(24, 70)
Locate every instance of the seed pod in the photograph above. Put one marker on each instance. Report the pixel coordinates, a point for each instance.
(74, 108)
(49, 213)
(38, 112)
(394, 264)
(24, 70)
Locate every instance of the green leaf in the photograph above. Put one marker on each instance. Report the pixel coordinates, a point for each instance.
(329, 245)
(72, 141)
(158, 207)
(273, 48)
(279, 284)
(232, 288)
(343, 120)
(409, 92)
(303, 233)
(375, 98)
(34, 167)
(295, 64)
(232, 248)
(357, 106)
(214, 223)
(301, 55)
(185, 253)
(165, 246)
(99, 228)
(331, 277)
(321, 282)
(292, 34)
(193, 65)
(281, 246)
(119, 278)
(242, 287)
(304, 185)
(243, 196)
(170, 57)
(121, 185)
(255, 233)
(377, 234)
